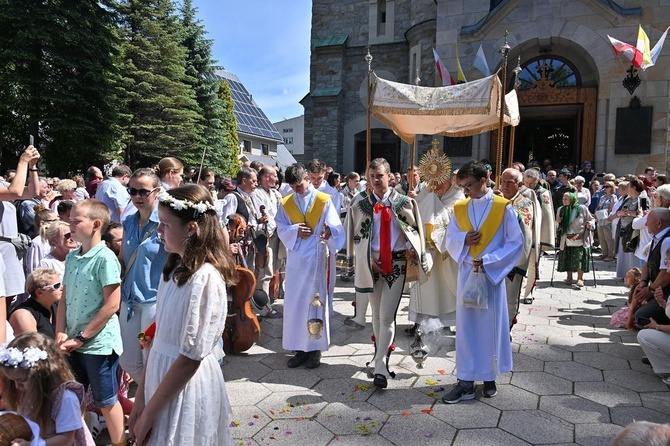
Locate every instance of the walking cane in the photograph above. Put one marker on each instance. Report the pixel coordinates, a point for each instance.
(593, 268)
(553, 268)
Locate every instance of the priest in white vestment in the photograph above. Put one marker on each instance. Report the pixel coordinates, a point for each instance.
(309, 226)
(483, 233)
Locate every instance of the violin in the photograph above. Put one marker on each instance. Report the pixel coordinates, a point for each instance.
(237, 230)
(242, 329)
(261, 241)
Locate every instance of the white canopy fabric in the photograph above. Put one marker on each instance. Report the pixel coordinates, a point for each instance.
(458, 110)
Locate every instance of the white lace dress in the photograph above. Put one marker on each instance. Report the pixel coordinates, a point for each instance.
(189, 322)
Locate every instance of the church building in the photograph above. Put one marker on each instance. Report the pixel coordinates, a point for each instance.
(578, 100)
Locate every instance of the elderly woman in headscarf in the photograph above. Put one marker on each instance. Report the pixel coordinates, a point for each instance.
(575, 224)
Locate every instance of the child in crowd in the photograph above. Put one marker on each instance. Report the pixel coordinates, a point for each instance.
(624, 317)
(39, 385)
(182, 399)
(87, 328)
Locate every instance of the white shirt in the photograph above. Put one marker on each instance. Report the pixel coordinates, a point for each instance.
(270, 199)
(399, 241)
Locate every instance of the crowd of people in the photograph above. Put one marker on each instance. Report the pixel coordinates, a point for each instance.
(90, 262)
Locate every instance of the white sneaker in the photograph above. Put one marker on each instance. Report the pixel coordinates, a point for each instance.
(93, 423)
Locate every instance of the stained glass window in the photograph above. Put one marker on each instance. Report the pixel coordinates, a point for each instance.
(554, 68)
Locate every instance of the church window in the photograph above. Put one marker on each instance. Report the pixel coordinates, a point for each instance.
(559, 71)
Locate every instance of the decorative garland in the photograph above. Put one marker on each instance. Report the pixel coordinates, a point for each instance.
(13, 357)
(183, 204)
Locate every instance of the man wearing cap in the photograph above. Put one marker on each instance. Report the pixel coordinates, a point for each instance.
(565, 186)
(587, 173)
(489, 181)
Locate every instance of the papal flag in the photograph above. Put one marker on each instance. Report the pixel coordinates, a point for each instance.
(480, 62)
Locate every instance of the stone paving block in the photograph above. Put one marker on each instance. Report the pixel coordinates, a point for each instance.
(359, 418)
(573, 344)
(418, 428)
(601, 361)
(290, 380)
(338, 351)
(360, 440)
(634, 380)
(546, 331)
(336, 367)
(435, 385)
(596, 434)
(546, 352)
(277, 361)
(512, 398)
(473, 414)
(542, 383)
(282, 405)
(293, 432)
(626, 415)
(525, 363)
(573, 371)
(245, 393)
(627, 351)
(400, 400)
(245, 370)
(247, 421)
(486, 437)
(574, 409)
(657, 401)
(524, 424)
(344, 390)
(607, 394)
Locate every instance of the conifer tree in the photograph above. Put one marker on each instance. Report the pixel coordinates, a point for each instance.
(162, 113)
(231, 147)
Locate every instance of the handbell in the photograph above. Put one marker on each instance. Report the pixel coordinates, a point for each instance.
(315, 321)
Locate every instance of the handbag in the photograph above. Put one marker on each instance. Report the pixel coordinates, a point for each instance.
(574, 240)
(630, 238)
(412, 267)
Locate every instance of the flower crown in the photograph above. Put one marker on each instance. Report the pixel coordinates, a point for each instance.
(180, 205)
(13, 357)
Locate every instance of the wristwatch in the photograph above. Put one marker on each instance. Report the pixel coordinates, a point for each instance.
(80, 337)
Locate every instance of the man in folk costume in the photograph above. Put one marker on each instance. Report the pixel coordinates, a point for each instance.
(242, 201)
(309, 226)
(483, 234)
(525, 205)
(436, 298)
(531, 179)
(381, 225)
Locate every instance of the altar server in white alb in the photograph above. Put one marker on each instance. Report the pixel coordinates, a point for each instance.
(309, 226)
(485, 234)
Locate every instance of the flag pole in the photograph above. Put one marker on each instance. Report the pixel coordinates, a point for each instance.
(504, 51)
(202, 162)
(512, 129)
(368, 130)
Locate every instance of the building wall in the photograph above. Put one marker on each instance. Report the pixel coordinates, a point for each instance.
(575, 29)
(293, 132)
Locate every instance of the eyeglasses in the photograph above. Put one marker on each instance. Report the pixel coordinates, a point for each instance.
(607, 187)
(54, 287)
(50, 221)
(469, 185)
(67, 236)
(141, 192)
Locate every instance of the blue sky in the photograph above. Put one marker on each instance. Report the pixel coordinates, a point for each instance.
(265, 43)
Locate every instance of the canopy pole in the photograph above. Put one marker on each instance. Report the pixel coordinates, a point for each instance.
(512, 130)
(368, 130)
(413, 150)
(504, 51)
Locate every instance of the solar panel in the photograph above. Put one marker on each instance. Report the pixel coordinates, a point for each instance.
(250, 117)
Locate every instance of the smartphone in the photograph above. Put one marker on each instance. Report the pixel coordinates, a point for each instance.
(643, 203)
(31, 140)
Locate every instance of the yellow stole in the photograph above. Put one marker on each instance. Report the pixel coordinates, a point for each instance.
(313, 213)
(488, 228)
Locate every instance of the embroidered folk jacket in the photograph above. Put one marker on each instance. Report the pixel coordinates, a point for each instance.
(358, 226)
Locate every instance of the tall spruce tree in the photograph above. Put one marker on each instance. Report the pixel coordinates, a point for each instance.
(163, 115)
(230, 154)
(200, 70)
(57, 73)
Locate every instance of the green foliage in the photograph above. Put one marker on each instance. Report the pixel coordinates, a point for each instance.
(231, 147)
(57, 71)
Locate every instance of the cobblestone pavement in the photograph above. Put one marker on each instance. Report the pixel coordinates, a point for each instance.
(576, 380)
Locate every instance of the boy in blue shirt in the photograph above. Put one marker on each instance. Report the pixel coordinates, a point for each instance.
(87, 328)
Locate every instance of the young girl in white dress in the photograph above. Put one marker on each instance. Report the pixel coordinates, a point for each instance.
(183, 398)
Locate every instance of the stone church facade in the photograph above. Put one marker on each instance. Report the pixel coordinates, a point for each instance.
(573, 103)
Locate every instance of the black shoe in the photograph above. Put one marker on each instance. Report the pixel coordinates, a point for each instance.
(350, 322)
(490, 389)
(411, 330)
(299, 359)
(645, 360)
(313, 359)
(460, 392)
(380, 381)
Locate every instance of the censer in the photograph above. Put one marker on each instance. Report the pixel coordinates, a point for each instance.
(419, 350)
(315, 320)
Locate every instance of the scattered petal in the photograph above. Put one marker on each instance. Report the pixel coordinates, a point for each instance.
(367, 418)
(234, 423)
(428, 435)
(406, 414)
(428, 411)
(287, 433)
(431, 393)
(250, 423)
(431, 382)
(257, 416)
(441, 372)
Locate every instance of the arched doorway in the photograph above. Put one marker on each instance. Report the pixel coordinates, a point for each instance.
(558, 113)
(384, 144)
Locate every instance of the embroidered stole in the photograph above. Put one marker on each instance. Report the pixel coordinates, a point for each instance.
(488, 228)
(313, 214)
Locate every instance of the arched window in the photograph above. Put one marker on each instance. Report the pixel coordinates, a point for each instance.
(559, 71)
